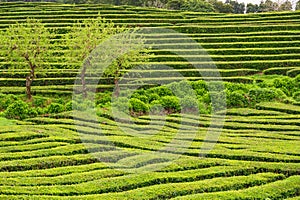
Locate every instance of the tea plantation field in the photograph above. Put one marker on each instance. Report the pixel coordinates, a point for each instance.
(256, 156)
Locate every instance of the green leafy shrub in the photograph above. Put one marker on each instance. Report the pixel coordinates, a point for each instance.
(296, 96)
(203, 109)
(6, 100)
(258, 95)
(81, 104)
(170, 103)
(286, 84)
(103, 98)
(138, 107)
(153, 97)
(69, 106)
(39, 101)
(17, 110)
(121, 104)
(161, 91)
(218, 101)
(189, 104)
(60, 101)
(199, 85)
(39, 110)
(236, 99)
(201, 91)
(143, 98)
(156, 107)
(32, 112)
(55, 108)
(180, 89)
(237, 87)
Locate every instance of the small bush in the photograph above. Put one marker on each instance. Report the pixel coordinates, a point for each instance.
(218, 101)
(55, 108)
(32, 112)
(143, 98)
(286, 84)
(17, 110)
(69, 106)
(189, 104)
(6, 100)
(138, 107)
(236, 99)
(258, 95)
(161, 91)
(170, 103)
(103, 98)
(296, 96)
(156, 108)
(39, 101)
(199, 85)
(153, 97)
(121, 104)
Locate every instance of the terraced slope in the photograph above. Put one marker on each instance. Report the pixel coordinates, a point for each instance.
(239, 45)
(256, 156)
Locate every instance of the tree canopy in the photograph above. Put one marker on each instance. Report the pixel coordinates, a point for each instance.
(26, 45)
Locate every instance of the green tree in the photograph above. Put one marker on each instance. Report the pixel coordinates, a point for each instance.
(83, 38)
(26, 43)
(268, 6)
(221, 7)
(298, 5)
(238, 8)
(175, 4)
(137, 54)
(252, 8)
(197, 6)
(286, 6)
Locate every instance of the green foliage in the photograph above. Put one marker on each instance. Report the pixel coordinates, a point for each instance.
(286, 6)
(82, 43)
(6, 100)
(298, 5)
(153, 97)
(286, 84)
(171, 104)
(18, 110)
(103, 98)
(156, 108)
(161, 91)
(296, 96)
(268, 6)
(121, 104)
(39, 101)
(175, 4)
(252, 8)
(238, 8)
(221, 7)
(69, 106)
(189, 104)
(258, 95)
(138, 107)
(197, 6)
(236, 99)
(55, 108)
(27, 43)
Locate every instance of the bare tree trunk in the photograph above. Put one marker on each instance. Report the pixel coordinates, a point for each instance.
(29, 80)
(82, 76)
(117, 88)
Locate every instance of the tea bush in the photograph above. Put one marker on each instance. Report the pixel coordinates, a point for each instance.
(138, 107)
(18, 110)
(55, 108)
(170, 103)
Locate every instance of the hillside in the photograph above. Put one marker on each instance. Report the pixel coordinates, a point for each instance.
(256, 155)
